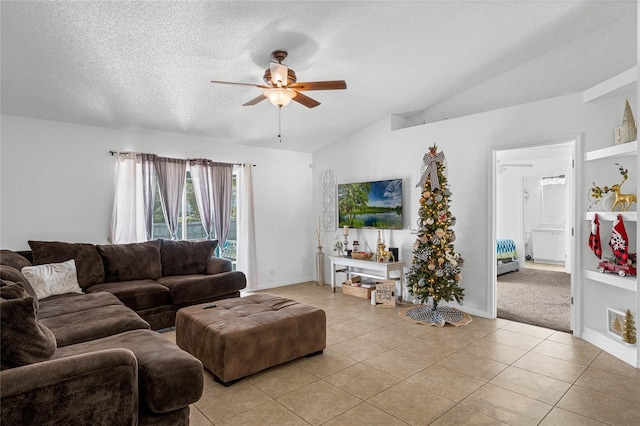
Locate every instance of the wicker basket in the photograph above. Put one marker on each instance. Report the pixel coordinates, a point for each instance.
(361, 255)
(351, 290)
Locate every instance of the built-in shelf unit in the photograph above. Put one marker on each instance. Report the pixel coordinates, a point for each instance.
(624, 289)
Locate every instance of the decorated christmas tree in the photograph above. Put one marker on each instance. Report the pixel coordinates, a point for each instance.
(629, 329)
(435, 271)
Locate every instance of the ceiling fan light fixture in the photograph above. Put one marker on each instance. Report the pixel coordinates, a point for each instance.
(279, 74)
(280, 96)
(291, 78)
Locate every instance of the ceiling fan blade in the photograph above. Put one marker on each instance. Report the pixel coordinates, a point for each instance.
(255, 100)
(305, 100)
(240, 84)
(320, 85)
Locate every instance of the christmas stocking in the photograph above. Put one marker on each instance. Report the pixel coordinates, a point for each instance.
(594, 238)
(619, 241)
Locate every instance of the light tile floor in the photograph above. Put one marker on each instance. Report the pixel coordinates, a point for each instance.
(381, 370)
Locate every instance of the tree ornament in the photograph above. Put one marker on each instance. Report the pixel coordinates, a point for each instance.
(429, 221)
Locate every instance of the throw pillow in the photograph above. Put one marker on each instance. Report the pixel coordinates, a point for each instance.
(25, 340)
(134, 261)
(53, 278)
(12, 290)
(186, 257)
(13, 259)
(13, 274)
(89, 265)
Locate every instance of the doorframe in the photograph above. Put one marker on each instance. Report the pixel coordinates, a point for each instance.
(574, 218)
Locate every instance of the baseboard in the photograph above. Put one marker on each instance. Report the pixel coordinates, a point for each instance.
(626, 353)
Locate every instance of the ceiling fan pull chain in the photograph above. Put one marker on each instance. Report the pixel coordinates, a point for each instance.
(280, 122)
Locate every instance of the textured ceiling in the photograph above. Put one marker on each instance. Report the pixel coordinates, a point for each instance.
(147, 65)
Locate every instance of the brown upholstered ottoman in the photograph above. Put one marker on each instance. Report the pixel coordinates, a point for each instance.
(244, 335)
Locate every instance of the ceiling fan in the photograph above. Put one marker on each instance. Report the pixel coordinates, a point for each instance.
(281, 85)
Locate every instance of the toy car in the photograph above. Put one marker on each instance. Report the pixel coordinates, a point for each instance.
(610, 266)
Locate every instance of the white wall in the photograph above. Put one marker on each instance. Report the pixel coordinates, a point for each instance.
(57, 183)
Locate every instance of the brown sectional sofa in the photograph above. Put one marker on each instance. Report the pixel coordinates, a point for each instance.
(91, 357)
(154, 278)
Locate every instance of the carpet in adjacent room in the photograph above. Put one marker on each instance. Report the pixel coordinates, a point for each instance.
(536, 297)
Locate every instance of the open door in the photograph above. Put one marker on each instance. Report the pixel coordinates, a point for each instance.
(520, 175)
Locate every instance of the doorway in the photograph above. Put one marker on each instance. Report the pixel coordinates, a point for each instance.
(533, 208)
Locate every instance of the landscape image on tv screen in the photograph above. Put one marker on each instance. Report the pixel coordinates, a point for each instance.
(375, 204)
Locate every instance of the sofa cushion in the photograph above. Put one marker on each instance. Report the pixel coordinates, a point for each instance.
(136, 295)
(12, 290)
(25, 340)
(13, 259)
(97, 388)
(190, 289)
(186, 257)
(129, 262)
(88, 262)
(74, 302)
(53, 278)
(159, 317)
(10, 273)
(216, 265)
(168, 377)
(82, 326)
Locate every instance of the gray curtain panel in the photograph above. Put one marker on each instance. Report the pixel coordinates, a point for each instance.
(201, 179)
(221, 179)
(171, 174)
(148, 192)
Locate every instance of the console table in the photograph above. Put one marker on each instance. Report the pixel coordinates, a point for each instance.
(364, 268)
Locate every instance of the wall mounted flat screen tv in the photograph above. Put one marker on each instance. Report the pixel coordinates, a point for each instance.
(376, 204)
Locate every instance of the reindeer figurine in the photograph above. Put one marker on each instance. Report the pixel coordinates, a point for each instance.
(384, 256)
(624, 200)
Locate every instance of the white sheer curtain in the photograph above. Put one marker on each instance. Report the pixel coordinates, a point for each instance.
(201, 179)
(246, 251)
(212, 186)
(132, 218)
(171, 174)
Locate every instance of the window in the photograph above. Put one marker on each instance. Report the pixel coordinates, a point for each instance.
(190, 227)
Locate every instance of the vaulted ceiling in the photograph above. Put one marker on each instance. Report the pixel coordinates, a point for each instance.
(147, 65)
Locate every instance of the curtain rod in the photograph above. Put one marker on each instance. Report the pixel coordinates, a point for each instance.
(235, 164)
